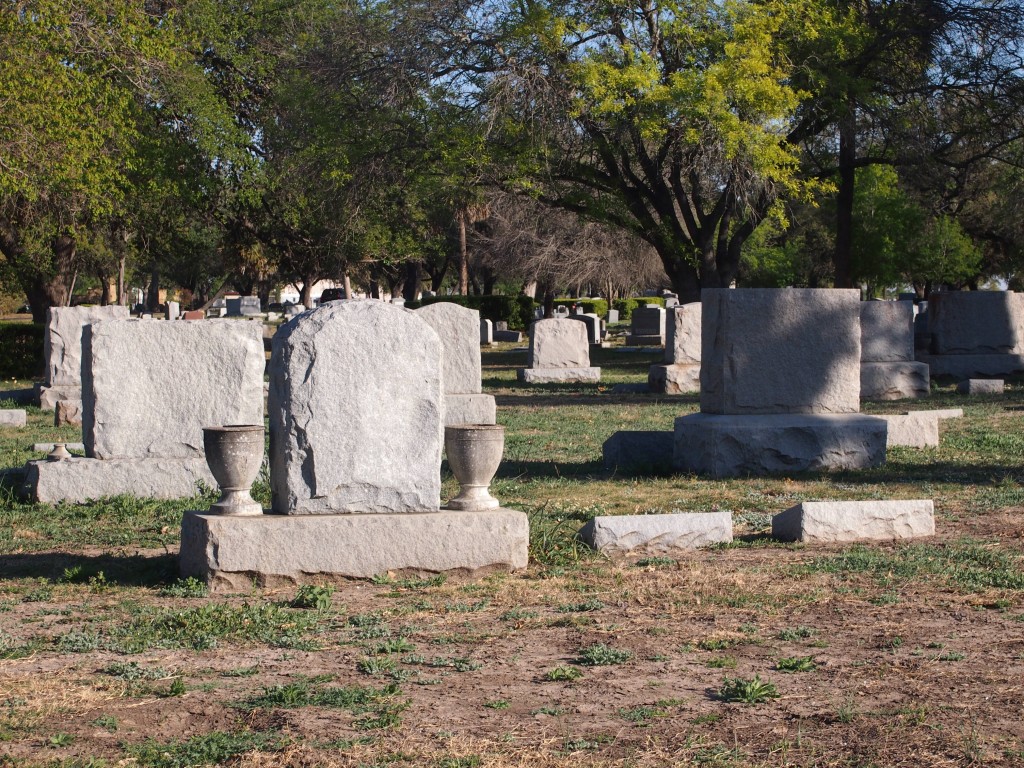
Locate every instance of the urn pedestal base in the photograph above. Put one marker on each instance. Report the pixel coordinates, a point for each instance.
(234, 554)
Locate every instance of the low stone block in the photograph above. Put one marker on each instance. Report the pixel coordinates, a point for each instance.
(12, 417)
(193, 314)
(234, 553)
(81, 479)
(640, 452)
(981, 387)
(657, 534)
(635, 340)
(737, 446)
(825, 522)
(469, 409)
(514, 337)
(559, 375)
(894, 381)
(50, 396)
(678, 379)
(913, 430)
(973, 366)
(68, 413)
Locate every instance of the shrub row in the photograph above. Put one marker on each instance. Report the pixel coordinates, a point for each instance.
(21, 350)
(597, 307)
(517, 311)
(626, 306)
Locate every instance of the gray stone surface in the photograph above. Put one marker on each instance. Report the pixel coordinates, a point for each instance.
(674, 379)
(68, 413)
(894, 381)
(559, 375)
(486, 333)
(683, 334)
(557, 343)
(62, 344)
(826, 522)
(914, 430)
(657, 534)
(643, 452)
(981, 387)
(593, 324)
(134, 409)
(886, 331)
(777, 351)
(79, 480)
(469, 409)
(356, 411)
(973, 366)
(234, 553)
(647, 326)
(944, 413)
(514, 337)
(459, 331)
(976, 322)
(736, 446)
(12, 417)
(50, 396)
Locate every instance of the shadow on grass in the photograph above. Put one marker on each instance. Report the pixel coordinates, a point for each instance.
(513, 469)
(130, 571)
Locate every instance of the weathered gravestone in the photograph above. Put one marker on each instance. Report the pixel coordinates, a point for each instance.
(243, 306)
(647, 327)
(486, 333)
(681, 372)
(559, 352)
(888, 370)
(595, 331)
(355, 457)
(975, 334)
(780, 386)
(62, 350)
(458, 329)
(142, 429)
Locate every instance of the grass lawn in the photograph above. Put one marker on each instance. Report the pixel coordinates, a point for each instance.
(754, 654)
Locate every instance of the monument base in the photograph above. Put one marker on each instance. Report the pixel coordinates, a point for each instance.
(737, 446)
(637, 340)
(237, 553)
(974, 366)
(894, 381)
(49, 396)
(559, 375)
(81, 479)
(469, 409)
(676, 379)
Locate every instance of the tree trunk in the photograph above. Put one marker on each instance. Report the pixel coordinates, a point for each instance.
(412, 280)
(153, 293)
(348, 286)
(105, 297)
(686, 282)
(842, 262)
(122, 298)
(306, 292)
(460, 221)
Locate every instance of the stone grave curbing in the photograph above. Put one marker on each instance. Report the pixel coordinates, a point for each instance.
(828, 522)
(657, 534)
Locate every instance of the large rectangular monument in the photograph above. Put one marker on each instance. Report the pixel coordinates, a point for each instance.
(62, 350)
(559, 352)
(975, 334)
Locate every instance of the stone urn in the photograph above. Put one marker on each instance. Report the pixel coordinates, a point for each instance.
(474, 454)
(234, 454)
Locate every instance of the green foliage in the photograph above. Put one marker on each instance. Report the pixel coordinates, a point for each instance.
(517, 310)
(625, 307)
(597, 307)
(188, 587)
(753, 691)
(313, 596)
(563, 674)
(600, 655)
(796, 664)
(21, 350)
(209, 749)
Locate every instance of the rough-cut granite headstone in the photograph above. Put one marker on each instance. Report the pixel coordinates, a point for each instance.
(68, 413)
(459, 329)
(981, 387)
(356, 408)
(593, 325)
(886, 331)
(681, 372)
(62, 344)
(134, 409)
(13, 417)
(976, 322)
(828, 522)
(777, 351)
(657, 533)
(735, 446)
(894, 381)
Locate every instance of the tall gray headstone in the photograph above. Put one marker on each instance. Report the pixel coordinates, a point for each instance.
(356, 406)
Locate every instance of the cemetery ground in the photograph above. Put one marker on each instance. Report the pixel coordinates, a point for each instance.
(753, 654)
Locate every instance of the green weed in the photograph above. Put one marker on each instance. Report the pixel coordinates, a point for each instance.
(753, 691)
(599, 655)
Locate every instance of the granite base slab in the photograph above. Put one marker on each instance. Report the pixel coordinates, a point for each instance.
(13, 417)
(914, 430)
(559, 375)
(738, 446)
(974, 366)
(237, 553)
(894, 380)
(829, 522)
(675, 379)
(82, 479)
(642, 452)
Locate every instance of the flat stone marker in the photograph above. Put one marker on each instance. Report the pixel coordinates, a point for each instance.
(79, 480)
(918, 429)
(826, 522)
(944, 413)
(615, 534)
(356, 411)
(981, 387)
(12, 417)
(780, 351)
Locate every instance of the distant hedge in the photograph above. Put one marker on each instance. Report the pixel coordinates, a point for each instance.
(21, 350)
(517, 311)
(626, 306)
(597, 307)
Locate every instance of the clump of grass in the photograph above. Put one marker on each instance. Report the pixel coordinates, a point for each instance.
(190, 587)
(753, 691)
(561, 674)
(600, 655)
(313, 597)
(655, 562)
(593, 604)
(796, 664)
(796, 633)
(209, 749)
